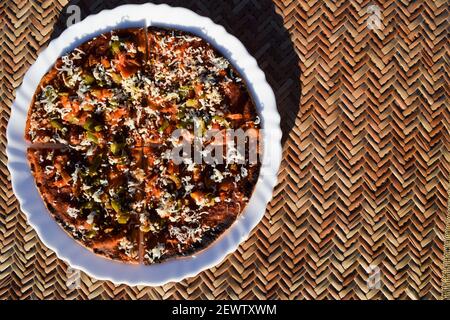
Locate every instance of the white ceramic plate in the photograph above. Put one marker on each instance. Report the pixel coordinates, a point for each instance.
(53, 236)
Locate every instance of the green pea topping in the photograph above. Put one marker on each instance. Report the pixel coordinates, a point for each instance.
(91, 234)
(88, 79)
(192, 103)
(116, 148)
(164, 126)
(117, 78)
(92, 137)
(95, 165)
(222, 121)
(144, 228)
(115, 47)
(56, 124)
(116, 206)
(123, 218)
(89, 124)
(184, 91)
(175, 180)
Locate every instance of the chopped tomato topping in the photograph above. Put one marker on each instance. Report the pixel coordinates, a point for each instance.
(235, 116)
(102, 94)
(126, 66)
(151, 189)
(117, 115)
(106, 63)
(72, 106)
(198, 88)
(172, 109)
(109, 244)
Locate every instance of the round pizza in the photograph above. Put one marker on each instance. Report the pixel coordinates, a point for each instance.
(144, 144)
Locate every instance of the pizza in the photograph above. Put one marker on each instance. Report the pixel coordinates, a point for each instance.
(116, 130)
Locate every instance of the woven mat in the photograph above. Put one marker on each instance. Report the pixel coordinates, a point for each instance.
(361, 206)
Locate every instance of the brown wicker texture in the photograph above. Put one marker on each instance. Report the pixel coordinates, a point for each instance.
(364, 179)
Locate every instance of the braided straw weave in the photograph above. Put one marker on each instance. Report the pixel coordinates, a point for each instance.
(360, 211)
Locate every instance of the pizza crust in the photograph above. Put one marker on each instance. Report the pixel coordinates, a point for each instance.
(143, 189)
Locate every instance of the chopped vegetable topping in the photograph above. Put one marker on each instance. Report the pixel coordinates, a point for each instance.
(114, 105)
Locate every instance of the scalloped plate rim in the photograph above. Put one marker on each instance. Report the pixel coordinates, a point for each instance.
(176, 269)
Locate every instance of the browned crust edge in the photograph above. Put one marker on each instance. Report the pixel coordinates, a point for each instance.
(211, 236)
(63, 220)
